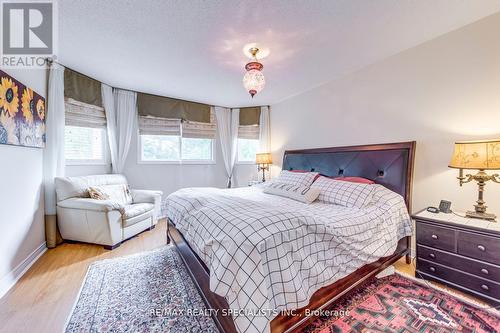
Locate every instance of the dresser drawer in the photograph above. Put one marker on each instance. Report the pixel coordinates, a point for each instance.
(481, 269)
(477, 284)
(479, 246)
(438, 237)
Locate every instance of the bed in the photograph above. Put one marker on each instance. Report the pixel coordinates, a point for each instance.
(268, 258)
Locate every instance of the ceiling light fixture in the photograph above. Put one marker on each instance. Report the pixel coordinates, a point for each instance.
(254, 81)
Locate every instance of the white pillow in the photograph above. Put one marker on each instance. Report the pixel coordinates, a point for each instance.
(119, 193)
(296, 178)
(295, 192)
(347, 194)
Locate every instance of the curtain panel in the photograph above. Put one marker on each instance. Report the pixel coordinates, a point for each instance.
(126, 114)
(171, 108)
(108, 102)
(265, 130)
(53, 157)
(227, 127)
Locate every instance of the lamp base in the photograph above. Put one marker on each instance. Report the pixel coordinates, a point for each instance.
(482, 216)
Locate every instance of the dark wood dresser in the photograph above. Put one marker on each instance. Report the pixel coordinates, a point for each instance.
(460, 252)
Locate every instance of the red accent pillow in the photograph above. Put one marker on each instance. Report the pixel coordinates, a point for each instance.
(359, 180)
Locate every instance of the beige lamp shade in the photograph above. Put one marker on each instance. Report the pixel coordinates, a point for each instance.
(476, 155)
(263, 158)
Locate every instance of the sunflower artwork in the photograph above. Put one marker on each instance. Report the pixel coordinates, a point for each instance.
(22, 114)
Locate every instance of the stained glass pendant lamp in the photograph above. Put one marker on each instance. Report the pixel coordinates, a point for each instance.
(254, 81)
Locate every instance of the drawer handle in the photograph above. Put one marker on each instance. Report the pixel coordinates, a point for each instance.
(481, 248)
(485, 287)
(434, 236)
(432, 255)
(432, 269)
(485, 271)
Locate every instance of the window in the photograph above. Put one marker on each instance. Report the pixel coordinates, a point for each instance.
(84, 133)
(164, 140)
(170, 148)
(160, 148)
(247, 148)
(194, 149)
(84, 145)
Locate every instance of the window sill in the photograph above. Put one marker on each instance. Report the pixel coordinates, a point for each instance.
(178, 162)
(86, 162)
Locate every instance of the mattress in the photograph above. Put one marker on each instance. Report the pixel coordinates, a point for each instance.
(268, 253)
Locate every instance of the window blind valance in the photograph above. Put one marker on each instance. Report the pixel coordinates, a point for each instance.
(159, 126)
(82, 88)
(83, 115)
(250, 116)
(171, 108)
(197, 130)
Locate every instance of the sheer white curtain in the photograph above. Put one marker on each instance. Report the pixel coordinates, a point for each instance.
(126, 114)
(265, 130)
(53, 157)
(108, 102)
(228, 122)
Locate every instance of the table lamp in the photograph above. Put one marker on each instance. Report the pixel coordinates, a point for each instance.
(481, 156)
(263, 160)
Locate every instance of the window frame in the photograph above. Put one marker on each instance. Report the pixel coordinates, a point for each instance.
(237, 155)
(180, 160)
(105, 161)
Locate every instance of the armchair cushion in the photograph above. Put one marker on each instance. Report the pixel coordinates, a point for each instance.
(91, 204)
(134, 210)
(145, 196)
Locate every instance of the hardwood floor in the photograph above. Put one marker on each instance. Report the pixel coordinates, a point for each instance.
(43, 298)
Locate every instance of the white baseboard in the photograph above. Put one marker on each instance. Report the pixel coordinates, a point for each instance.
(10, 279)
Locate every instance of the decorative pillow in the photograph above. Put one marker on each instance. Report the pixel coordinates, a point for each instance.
(359, 180)
(119, 193)
(295, 192)
(296, 178)
(97, 194)
(344, 193)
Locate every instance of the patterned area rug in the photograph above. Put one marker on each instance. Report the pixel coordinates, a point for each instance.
(398, 304)
(148, 292)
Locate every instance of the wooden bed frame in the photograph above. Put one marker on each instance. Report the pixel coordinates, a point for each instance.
(388, 164)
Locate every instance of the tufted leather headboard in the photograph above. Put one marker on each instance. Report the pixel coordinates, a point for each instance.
(388, 164)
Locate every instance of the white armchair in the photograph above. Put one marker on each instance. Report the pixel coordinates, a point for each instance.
(104, 222)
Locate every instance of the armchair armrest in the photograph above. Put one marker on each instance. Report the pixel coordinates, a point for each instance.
(91, 204)
(145, 196)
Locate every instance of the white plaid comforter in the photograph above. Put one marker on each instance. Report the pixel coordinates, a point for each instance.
(272, 253)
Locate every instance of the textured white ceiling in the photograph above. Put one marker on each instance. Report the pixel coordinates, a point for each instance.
(192, 49)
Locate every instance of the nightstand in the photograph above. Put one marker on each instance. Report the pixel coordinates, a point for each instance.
(460, 252)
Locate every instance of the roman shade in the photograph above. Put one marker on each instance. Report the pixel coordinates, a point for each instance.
(171, 108)
(159, 126)
(83, 114)
(197, 130)
(251, 132)
(82, 88)
(250, 116)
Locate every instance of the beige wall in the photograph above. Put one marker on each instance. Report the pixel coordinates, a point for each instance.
(22, 233)
(444, 90)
